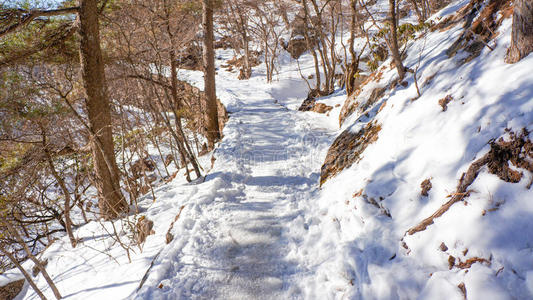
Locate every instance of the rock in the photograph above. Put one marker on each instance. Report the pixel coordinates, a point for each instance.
(296, 46)
(143, 229)
(196, 99)
(169, 237)
(321, 108)
(444, 102)
(443, 247)
(11, 290)
(426, 186)
(347, 150)
(353, 103)
(451, 262)
(310, 101)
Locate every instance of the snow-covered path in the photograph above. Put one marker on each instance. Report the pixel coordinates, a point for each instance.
(238, 245)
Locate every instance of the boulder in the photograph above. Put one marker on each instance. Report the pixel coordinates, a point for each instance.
(347, 149)
(11, 290)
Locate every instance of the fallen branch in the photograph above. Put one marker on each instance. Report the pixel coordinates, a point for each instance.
(169, 237)
(465, 181)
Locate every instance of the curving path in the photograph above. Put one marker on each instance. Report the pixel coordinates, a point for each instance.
(237, 245)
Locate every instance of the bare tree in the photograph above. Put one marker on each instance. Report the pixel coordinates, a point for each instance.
(213, 131)
(393, 40)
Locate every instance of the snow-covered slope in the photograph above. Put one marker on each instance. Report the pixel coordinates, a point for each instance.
(368, 257)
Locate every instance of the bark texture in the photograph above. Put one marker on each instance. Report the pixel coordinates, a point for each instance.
(393, 43)
(522, 36)
(213, 133)
(111, 202)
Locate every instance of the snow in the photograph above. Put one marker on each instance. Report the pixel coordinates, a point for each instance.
(260, 227)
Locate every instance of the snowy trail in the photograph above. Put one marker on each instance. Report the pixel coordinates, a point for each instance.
(240, 239)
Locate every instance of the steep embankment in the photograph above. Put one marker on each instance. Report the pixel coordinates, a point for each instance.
(400, 185)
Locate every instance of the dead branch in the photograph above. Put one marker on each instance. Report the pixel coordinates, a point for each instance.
(26, 17)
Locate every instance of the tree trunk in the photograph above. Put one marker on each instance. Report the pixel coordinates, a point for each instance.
(243, 28)
(213, 131)
(393, 44)
(66, 193)
(310, 44)
(419, 14)
(522, 36)
(353, 67)
(111, 201)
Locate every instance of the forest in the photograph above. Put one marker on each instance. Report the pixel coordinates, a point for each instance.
(266, 149)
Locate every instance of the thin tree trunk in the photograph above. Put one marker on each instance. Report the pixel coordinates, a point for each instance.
(36, 261)
(178, 105)
(353, 67)
(522, 35)
(393, 44)
(111, 201)
(213, 130)
(421, 18)
(242, 25)
(66, 193)
(310, 46)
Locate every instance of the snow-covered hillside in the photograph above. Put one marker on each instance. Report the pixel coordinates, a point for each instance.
(262, 225)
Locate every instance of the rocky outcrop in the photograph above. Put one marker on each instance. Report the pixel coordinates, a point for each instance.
(194, 101)
(356, 103)
(297, 45)
(347, 149)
